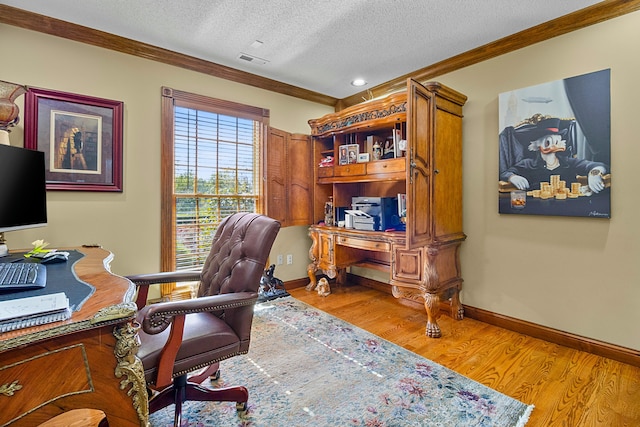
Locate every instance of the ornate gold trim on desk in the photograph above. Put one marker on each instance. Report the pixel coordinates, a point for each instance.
(130, 367)
(108, 315)
(114, 312)
(10, 389)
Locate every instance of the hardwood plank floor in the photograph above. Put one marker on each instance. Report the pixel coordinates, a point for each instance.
(568, 387)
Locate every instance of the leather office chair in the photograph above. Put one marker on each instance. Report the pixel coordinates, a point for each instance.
(179, 337)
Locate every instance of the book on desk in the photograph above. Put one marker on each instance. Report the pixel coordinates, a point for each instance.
(31, 311)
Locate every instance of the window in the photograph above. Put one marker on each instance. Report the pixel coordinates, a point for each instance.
(211, 168)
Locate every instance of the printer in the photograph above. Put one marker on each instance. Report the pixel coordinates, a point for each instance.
(373, 214)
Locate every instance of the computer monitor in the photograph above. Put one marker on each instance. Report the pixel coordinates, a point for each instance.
(23, 192)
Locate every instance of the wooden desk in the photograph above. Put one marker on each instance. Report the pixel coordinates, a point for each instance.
(428, 274)
(88, 361)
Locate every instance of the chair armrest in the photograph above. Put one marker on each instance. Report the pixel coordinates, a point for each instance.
(157, 317)
(165, 277)
(142, 281)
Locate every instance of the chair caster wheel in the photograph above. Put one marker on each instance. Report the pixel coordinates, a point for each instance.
(241, 406)
(215, 376)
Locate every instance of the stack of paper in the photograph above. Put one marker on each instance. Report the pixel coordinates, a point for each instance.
(32, 311)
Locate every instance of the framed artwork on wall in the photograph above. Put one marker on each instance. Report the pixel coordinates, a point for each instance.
(81, 137)
(555, 148)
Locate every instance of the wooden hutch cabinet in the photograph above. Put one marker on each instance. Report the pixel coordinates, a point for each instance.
(422, 261)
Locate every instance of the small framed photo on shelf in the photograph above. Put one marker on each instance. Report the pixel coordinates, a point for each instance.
(389, 150)
(352, 153)
(363, 157)
(343, 155)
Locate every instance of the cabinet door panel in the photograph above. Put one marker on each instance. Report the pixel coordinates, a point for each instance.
(419, 174)
(289, 178)
(407, 264)
(447, 212)
(276, 169)
(300, 179)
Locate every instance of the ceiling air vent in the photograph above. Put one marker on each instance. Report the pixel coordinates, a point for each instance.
(251, 58)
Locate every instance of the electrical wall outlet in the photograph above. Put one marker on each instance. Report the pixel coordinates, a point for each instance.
(279, 259)
(289, 259)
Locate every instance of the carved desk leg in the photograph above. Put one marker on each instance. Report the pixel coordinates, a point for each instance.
(313, 266)
(130, 367)
(311, 272)
(431, 293)
(432, 305)
(457, 310)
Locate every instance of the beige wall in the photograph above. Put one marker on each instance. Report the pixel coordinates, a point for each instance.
(579, 275)
(128, 223)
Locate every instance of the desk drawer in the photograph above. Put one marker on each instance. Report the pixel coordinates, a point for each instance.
(369, 245)
(325, 172)
(32, 383)
(386, 166)
(348, 170)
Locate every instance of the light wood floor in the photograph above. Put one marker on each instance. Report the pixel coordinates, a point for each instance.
(568, 387)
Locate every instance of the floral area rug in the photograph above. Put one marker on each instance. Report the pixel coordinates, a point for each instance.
(308, 368)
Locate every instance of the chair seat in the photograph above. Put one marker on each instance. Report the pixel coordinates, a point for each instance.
(206, 339)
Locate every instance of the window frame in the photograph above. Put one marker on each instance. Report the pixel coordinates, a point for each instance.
(172, 98)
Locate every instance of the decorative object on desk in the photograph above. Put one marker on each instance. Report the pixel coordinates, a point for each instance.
(81, 137)
(326, 162)
(306, 367)
(377, 151)
(9, 111)
(38, 248)
(54, 257)
(271, 287)
(363, 157)
(323, 287)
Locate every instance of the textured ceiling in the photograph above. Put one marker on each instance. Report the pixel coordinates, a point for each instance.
(316, 45)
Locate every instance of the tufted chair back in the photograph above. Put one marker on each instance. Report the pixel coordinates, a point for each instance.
(236, 262)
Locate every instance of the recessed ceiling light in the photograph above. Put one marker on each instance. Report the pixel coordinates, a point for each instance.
(359, 82)
(256, 44)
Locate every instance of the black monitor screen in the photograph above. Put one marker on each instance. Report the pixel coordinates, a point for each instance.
(23, 193)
